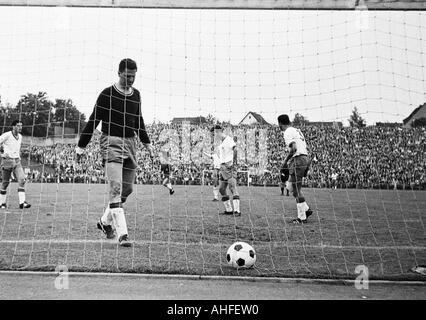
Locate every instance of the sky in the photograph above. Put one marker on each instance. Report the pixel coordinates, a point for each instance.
(318, 63)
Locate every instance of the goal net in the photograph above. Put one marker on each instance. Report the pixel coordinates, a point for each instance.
(352, 79)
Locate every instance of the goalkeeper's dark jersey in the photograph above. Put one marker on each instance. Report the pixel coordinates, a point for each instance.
(120, 115)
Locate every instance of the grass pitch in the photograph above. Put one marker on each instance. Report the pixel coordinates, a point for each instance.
(186, 234)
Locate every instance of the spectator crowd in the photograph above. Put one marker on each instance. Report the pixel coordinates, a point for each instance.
(342, 157)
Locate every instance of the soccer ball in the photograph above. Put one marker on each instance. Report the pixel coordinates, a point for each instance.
(241, 255)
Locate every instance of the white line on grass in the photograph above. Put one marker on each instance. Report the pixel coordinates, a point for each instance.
(215, 278)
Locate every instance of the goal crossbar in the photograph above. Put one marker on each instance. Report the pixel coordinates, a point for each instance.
(230, 4)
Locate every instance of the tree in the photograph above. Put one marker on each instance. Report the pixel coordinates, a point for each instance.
(5, 111)
(211, 119)
(299, 120)
(224, 123)
(420, 122)
(67, 115)
(35, 112)
(356, 120)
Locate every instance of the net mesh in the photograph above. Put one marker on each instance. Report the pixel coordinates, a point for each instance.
(242, 68)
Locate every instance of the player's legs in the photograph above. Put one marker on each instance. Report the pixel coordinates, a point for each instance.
(167, 182)
(225, 197)
(115, 181)
(282, 188)
(224, 176)
(299, 171)
(113, 172)
(6, 173)
(128, 174)
(106, 222)
(117, 152)
(215, 178)
(288, 188)
(165, 172)
(232, 183)
(20, 176)
(169, 185)
(298, 195)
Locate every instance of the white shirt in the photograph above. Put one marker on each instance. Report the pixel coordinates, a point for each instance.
(292, 134)
(216, 161)
(11, 145)
(226, 150)
(164, 157)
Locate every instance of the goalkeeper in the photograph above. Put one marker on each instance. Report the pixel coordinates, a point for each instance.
(119, 109)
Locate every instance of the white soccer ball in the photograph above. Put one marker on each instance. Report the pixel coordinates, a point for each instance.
(241, 255)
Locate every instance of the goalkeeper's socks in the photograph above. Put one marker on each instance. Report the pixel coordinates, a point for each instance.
(107, 217)
(305, 205)
(119, 221)
(301, 212)
(2, 196)
(21, 195)
(216, 192)
(169, 186)
(236, 202)
(227, 204)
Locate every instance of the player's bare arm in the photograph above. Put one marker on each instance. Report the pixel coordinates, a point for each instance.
(292, 151)
(150, 149)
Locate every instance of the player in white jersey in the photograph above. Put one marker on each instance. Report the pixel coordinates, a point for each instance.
(11, 162)
(298, 164)
(227, 152)
(215, 175)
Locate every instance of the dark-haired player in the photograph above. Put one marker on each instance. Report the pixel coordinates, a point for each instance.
(119, 109)
(228, 171)
(298, 164)
(10, 142)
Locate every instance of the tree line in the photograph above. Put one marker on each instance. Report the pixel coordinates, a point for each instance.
(39, 115)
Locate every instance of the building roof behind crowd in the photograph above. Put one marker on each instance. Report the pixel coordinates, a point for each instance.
(191, 120)
(325, 124)
(388, 124)
(257, 118)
